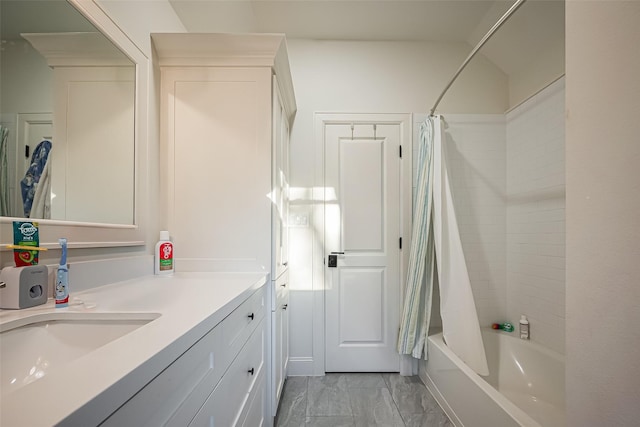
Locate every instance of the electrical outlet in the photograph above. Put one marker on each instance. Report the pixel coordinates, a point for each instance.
(298, 220)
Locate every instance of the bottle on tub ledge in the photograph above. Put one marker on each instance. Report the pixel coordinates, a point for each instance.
(506, 326)
(524, 327)
(163, 255)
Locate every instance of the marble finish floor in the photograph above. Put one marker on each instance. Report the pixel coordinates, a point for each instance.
(358, 400)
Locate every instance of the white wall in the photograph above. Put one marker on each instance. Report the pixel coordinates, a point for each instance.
(603, 221)
(536, 215)
(26, 79)
(547, 67)
(138, 19)
(367, 77)
(529, 47)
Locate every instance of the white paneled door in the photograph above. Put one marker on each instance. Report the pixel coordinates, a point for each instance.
(362, 227)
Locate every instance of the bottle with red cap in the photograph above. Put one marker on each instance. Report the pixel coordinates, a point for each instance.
(163, 255)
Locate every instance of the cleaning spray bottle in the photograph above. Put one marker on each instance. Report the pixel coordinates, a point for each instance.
(163, 256)
(61, 291)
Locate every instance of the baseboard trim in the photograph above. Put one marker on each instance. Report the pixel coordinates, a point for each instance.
(300, 367)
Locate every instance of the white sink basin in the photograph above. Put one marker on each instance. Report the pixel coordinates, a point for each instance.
(32, 346)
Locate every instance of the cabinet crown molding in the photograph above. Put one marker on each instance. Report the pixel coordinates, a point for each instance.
(229, 50)
(77, 49)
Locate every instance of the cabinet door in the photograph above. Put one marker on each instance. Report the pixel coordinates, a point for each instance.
(276, 183)
(284, 361)
(278, 375)
(281, 337)
(217, 129)
(280, 183)
(284, 248)
(94, 109)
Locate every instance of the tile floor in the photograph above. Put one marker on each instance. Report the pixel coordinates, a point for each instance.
(358, 400)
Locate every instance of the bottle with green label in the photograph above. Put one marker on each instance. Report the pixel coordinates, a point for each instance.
(163, 255)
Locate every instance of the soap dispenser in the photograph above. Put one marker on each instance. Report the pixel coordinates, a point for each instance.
(524, 327)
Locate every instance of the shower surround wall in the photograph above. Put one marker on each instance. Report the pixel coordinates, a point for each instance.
(507, 175)
(536, 215)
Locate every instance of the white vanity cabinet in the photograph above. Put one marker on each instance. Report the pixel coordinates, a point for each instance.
(227, 104)
(218, 381)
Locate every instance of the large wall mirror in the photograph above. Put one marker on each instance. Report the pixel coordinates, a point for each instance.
(70, 114)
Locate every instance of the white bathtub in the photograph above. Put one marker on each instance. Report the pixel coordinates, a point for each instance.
(525, 386)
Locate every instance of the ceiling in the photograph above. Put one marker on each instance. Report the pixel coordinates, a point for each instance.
(536, 27)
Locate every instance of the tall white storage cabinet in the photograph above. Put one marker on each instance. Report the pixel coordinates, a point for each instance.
(227, 103)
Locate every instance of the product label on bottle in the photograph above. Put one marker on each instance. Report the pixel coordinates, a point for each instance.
(25, 234)
(60, 293)
(165, 256)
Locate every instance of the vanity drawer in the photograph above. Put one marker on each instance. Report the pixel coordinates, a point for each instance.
(238, 326)
(176, 394)
(230, 401)
(256, 411)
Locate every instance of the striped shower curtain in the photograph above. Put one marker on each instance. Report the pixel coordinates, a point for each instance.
(436, 245)
(4, 172)
(417, 300)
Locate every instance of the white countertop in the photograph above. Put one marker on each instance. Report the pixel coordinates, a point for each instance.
(88, 389)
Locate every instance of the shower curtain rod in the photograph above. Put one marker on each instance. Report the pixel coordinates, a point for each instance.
(475, 50)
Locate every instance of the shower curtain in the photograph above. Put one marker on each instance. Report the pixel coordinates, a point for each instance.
(4, 172)
(41, 205)
(460, 326)
(30, 183)
(417, 301)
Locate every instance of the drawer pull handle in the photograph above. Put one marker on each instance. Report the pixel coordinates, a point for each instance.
(251, 371)
(284, 285)
(250, 316)
(284, 264)
(284, 307)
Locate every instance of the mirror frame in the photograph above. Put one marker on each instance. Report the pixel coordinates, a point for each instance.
(97, 235)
